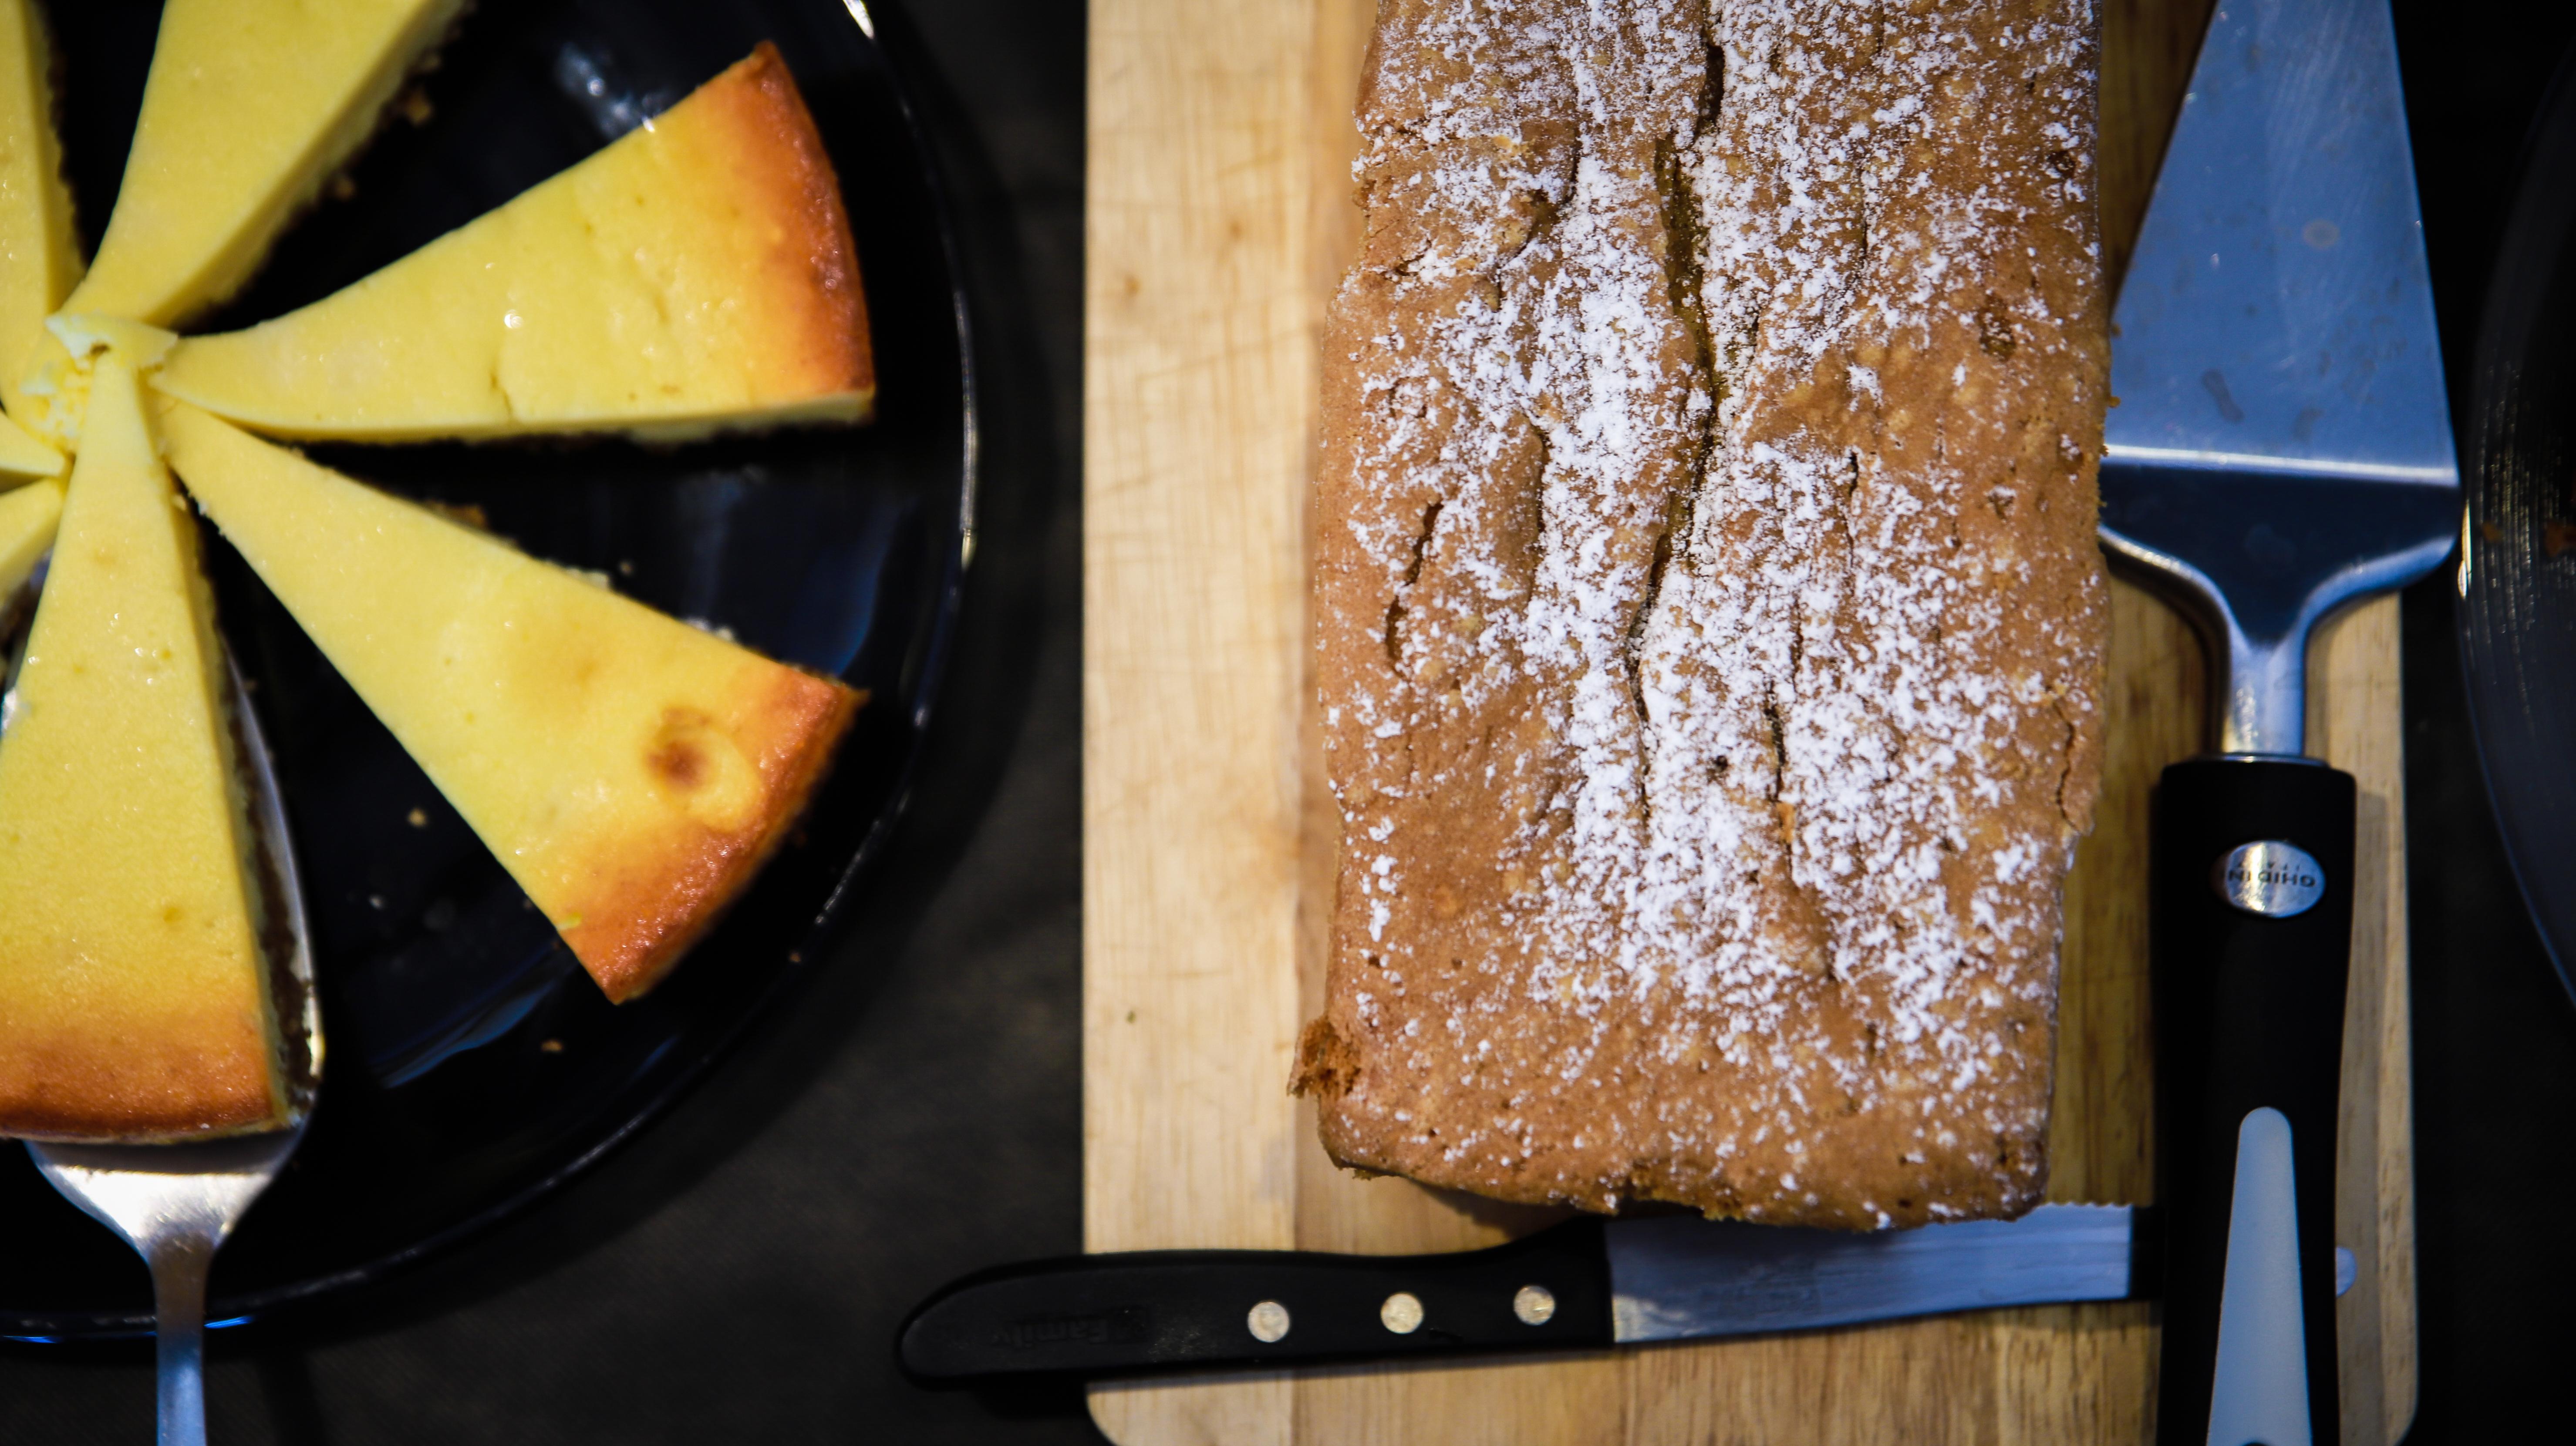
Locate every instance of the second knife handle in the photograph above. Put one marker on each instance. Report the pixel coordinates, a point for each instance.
(2252, 941)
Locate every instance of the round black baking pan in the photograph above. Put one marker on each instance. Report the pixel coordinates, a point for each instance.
(473, 1069)
(2517, 614)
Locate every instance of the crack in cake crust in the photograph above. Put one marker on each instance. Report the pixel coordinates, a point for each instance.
(1708, 618)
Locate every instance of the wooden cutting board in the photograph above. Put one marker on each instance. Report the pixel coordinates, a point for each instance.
(1219, 219)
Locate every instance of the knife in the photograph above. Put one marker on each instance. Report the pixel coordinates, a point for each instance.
(2280, 449)
(1586, 1283)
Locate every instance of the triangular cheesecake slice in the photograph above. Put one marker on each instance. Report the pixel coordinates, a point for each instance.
(696, 275)
(39, 256)
(134, 994)
(249, 106)
(629, 770)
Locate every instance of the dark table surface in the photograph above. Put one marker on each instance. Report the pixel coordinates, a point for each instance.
(737, 1276)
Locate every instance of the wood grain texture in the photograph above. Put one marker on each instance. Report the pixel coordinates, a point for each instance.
(1219, 219)
(1200, 305)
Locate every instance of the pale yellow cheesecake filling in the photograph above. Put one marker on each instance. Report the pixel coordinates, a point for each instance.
(23, 455)
(250, 105)
(630, 771)
(133, 990)
(39, 255)
(61, 387)
(27, 518)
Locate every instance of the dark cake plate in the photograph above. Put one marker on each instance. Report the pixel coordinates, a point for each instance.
(472, 1067)
(2518, 580)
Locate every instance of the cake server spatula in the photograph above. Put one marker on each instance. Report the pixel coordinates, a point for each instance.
(2280, 449)
(175, 1204)
(1584, 1284)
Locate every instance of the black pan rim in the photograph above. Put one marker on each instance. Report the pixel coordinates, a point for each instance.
(2510, 604)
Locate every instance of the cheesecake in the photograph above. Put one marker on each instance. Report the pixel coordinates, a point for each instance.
(696, 275)
(24, 455)
(630, 771)
(134, 991)
(27, 518)
(39, 256)
(250, 105)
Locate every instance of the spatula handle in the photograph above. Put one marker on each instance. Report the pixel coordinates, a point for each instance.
(2252, 937)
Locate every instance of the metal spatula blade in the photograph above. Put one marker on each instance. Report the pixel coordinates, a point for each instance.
(176, 1204)
(2281, 447)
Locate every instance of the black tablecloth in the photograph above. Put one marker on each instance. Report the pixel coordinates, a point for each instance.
(737, 1277)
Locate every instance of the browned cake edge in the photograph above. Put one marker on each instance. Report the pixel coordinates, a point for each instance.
(642, 912)
(62, 1090)
(786, 176)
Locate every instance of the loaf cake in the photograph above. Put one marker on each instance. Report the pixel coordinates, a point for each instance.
(1708, 618)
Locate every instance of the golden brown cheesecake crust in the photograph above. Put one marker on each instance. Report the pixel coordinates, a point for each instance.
(650, 907)
(63, 1089)
(791, 193)
(1709, 622)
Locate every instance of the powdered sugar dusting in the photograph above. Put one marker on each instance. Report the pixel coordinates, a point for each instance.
(1708, 619)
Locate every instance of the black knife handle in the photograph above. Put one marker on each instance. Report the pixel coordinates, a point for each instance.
(2249, 1017)
(1097, 1315)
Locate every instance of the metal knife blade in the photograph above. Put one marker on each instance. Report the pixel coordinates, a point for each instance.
(1676, 1277)
(1587, 1283)
(2280, 448)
